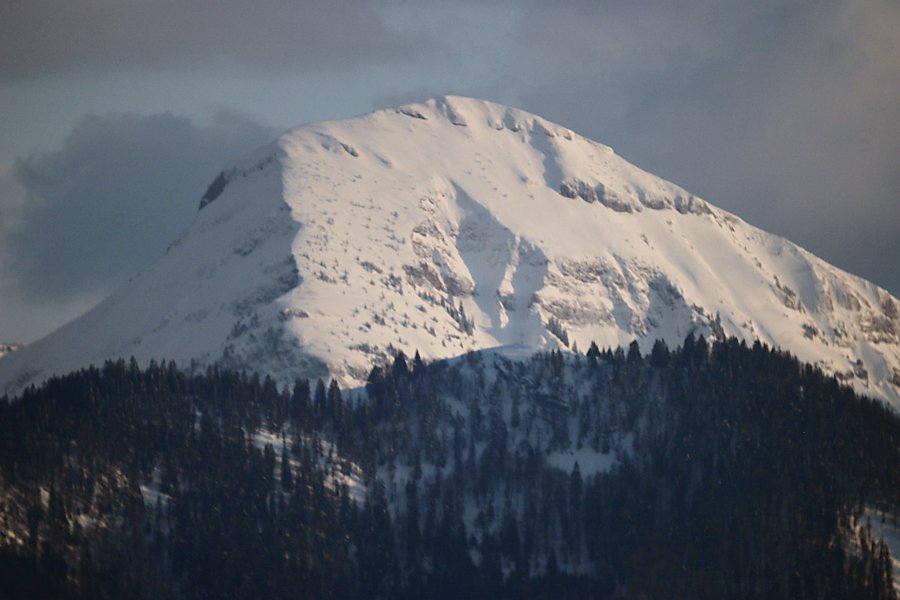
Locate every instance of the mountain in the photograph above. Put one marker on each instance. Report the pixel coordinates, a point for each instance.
(459, 224)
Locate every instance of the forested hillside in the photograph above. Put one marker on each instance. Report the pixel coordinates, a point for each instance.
(709, 471)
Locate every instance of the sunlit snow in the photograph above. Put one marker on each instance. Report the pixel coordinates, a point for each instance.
(459, 224)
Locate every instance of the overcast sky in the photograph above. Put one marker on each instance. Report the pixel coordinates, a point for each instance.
(116, 114)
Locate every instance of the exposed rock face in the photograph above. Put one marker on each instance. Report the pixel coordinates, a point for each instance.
(459, 224)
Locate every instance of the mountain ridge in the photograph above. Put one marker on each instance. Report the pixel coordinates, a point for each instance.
(457, 224)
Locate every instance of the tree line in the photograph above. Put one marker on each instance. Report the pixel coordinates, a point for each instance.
(710, 470)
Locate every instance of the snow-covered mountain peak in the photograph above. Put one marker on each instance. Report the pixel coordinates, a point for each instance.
(458, 224)
(572, 165)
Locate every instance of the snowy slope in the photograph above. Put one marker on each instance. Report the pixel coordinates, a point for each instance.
(7, 348)
(459, 224)
(885, 527)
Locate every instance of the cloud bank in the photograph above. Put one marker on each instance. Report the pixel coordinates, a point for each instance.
(84, 218)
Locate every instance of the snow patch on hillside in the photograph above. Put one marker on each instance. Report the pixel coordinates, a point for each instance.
(886, 527)
(7, 348)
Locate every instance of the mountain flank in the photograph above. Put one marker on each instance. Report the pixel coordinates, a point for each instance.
(454, 225)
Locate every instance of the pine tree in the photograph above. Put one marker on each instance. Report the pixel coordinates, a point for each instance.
(659, 355)
(634, 354)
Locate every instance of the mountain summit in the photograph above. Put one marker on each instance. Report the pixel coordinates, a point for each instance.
(458, 224)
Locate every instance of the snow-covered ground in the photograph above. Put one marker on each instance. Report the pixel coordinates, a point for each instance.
(459, 224)
(341, 472)
(886, 527)
(7, 348)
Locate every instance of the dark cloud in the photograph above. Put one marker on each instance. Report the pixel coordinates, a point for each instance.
(787, 113)
(42, 37)
(106, 204)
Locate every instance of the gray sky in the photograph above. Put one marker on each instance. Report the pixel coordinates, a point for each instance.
(116, 114)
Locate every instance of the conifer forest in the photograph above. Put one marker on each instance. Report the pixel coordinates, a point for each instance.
(712, 470)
